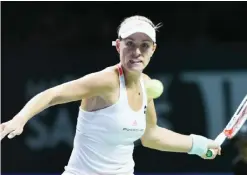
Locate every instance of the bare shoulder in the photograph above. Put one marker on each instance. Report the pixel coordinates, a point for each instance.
(93, 84)
(106, 78)
(110, 76)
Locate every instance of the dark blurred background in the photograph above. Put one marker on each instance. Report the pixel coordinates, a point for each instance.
(201, 59)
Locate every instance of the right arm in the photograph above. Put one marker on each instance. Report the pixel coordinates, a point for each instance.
(90, 85)
(93, 84)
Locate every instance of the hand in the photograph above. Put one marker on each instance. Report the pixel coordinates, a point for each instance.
(12, 128)
(214, 147)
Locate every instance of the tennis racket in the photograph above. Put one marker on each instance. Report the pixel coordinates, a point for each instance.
(233, 126)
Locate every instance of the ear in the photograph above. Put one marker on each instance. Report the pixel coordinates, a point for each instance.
(118, 45)
(153, 49)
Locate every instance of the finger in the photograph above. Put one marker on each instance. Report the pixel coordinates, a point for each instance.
(4, 132)
(219, 151)
(15, 133)
(11, 135)
(213, 145)
(216, 151)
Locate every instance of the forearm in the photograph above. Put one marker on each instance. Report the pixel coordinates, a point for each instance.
(36, 105)
(165, 140)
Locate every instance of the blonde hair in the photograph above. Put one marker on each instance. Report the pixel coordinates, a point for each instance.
(141, 18)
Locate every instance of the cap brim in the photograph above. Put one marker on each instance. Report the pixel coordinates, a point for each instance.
(137, 30)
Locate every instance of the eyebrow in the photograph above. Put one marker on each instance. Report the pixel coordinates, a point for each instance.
(142, 40)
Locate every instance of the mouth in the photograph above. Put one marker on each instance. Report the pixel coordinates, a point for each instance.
(135, 61)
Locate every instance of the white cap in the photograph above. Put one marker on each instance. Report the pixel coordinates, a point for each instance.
(136, 26)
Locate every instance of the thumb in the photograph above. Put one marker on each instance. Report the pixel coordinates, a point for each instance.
(15, 133)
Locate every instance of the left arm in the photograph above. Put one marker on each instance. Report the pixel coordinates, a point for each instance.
(162, 139)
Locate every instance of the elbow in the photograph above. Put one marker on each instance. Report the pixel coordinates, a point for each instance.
(148, 142)
(144, 143)
(50, 96)
(150, 138)
(151, 144)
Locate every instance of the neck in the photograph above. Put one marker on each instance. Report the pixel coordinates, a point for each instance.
(131, 78)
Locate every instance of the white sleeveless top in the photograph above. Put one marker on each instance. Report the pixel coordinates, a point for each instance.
(104, 139)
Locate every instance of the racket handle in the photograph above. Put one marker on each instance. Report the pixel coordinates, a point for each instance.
(219, 139)
(210, 153)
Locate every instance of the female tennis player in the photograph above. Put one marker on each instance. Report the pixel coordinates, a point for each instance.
(115, 110)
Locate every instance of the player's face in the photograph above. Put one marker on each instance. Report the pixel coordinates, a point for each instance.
(136, 51)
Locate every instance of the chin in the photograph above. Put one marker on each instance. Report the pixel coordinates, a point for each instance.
(135, 69)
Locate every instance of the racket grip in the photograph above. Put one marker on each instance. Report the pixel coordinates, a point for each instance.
(210, 153)
(219, 139)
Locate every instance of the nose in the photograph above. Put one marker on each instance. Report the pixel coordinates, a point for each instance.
(137, 52)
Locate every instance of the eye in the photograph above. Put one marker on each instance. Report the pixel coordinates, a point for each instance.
(129, 43)
(145, 46)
